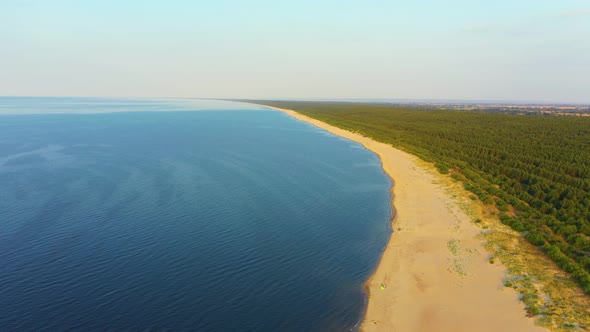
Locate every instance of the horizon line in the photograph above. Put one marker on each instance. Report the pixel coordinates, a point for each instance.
(449, 101)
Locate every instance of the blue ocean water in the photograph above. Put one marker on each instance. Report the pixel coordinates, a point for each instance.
(182, 215)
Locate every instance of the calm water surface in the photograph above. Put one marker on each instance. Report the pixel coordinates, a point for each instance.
(178, 215)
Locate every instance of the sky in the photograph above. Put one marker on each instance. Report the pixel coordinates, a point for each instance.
(516, 50)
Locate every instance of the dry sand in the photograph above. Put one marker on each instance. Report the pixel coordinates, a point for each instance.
(434, 270)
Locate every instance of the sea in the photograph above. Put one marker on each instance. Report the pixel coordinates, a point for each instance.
(182, 215)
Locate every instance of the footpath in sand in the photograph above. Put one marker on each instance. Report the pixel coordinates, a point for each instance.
(434, 274)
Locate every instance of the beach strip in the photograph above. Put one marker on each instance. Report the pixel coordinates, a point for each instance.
(434, 274)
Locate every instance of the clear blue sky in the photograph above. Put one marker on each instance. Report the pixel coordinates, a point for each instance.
(536, 50)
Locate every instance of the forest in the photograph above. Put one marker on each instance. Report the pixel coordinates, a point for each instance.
(534, 169)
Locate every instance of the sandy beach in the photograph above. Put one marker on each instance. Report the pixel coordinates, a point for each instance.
(434, 274)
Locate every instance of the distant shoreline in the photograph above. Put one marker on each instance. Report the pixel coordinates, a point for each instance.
(434, 273)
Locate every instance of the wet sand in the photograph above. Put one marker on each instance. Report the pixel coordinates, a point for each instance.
(434, 274)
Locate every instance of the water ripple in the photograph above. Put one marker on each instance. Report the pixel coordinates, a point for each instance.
(186, 221)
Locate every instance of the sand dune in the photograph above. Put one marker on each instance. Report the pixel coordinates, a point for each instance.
(434, 274)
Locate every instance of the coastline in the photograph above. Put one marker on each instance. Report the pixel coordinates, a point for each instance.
(434, 274)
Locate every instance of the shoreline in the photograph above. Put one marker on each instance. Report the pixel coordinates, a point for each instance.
(434, 273)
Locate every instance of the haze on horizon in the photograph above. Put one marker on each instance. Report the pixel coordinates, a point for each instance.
(523, 50)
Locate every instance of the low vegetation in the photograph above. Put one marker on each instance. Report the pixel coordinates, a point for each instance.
(551, 296)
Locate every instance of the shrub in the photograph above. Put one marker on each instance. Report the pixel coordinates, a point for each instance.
(535, 238)
(444, 169)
